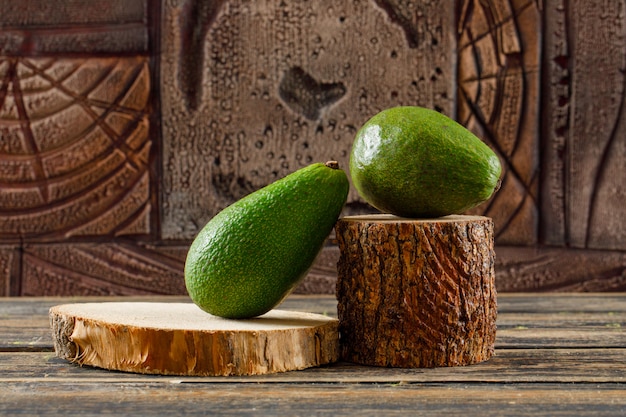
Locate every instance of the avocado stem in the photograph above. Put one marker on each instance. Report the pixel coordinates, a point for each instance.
(332, 164)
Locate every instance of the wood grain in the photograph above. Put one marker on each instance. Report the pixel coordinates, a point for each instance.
(550, 376)
(508, 366)
(555, 123)
(68, 27)
(25, 323)
(231, 95)
(327, 399)
(9, 267)
(595, 188)
(518, 269)
(499, 91)
(416, 292)
(558, 269)
(585, 146)
(99, 268)
(128, 268)
(75, 147)
(181, 339)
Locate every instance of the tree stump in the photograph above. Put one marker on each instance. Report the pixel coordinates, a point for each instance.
(416, 293)
(181, 339)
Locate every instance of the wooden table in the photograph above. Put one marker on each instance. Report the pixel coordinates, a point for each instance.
(559, 354)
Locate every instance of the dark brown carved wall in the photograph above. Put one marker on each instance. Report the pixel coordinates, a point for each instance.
(282, 85)
(498, 98)
(77, 129)
(126, 125)
(585, 144)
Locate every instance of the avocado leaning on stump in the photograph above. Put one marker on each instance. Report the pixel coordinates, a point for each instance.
(253, 253)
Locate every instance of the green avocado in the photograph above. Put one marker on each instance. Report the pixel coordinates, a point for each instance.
(252, 254)
(415, 162)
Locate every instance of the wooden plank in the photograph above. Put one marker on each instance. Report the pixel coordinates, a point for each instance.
(264, 88)
(24, 322)
(575, 337)
(36, 27)
(528, 321)
(499, 52)
(594, 181)
(559, 269)
(66, 12)
(9, 269)
(56, 398)
(542, 304)
(88, 41)
(99, 269)
(555, 122)
(562, 319)
(562, 304)
(34, 335)
(509, 304)
(600, 366)
(542, 380)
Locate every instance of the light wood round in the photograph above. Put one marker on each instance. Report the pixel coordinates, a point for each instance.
(181, 339)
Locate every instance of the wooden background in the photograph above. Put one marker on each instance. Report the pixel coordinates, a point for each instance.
(126, 125)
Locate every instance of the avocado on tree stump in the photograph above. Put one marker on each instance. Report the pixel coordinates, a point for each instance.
(416, 293)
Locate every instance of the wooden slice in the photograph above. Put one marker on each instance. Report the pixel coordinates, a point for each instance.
(416, 293)
(181, 339)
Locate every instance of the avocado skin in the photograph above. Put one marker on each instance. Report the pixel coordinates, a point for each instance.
(418, 163)
(252, 254)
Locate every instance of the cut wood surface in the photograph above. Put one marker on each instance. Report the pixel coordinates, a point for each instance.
(416, 293)
(556, 354)
(181, 339)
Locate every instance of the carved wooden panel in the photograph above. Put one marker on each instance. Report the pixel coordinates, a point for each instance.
(53, 27)
(498, 98)
(253, 90)
(99, 269)
(75, 148)
(596, 186)
(559, 269)
(585, 152)
(9, 267)
(125, 125)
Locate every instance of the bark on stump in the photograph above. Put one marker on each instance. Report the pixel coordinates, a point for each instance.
(181, 339)
(416, 293)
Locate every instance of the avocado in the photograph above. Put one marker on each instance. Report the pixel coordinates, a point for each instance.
(416, 162)
(252, 254)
